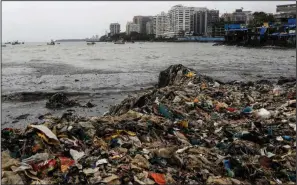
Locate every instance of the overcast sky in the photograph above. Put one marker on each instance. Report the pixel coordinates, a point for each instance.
(42, 21)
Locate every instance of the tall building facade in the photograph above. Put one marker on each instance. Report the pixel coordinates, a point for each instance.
(287, 8)
(131, 27)
(204, 19)
(285, 11)
(161, 24)
(150, 27)
(141, 21)
(181, 18)
(239, 16)
(114, 28)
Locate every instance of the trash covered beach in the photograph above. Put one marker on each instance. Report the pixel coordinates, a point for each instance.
(189, 129)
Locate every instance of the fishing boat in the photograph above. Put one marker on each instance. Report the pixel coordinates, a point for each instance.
(51, 43)
(120, 42)
(3, 45)
(91, 43)
(7, 43)
(15, 43)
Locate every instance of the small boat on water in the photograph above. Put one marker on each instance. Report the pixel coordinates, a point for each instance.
(3, 45)
(120, 42)
(15, 43)
(51, 43)
(7, 43)
(91, 43)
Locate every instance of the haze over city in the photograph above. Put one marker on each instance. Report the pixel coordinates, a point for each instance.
(42, 21)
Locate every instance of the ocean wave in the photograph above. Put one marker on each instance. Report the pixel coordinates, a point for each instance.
(97, 59)
(36, 60)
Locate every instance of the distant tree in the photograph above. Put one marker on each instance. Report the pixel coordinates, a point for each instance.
(115, 37)
(259, 18)
(103, 38)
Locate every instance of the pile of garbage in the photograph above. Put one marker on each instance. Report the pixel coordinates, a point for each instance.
(60, 100)
(190, 129)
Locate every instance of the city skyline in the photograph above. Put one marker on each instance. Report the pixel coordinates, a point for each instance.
(63, 20)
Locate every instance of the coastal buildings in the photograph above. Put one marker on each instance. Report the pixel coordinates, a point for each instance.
(114, 28)
(141, 21)
(132, 27)
(150, 27)
(285, 11)
(180, 18)
(288, 8)
(239, 16)
(200, 22)
(203, 19)
(160, 24)
(216, 30)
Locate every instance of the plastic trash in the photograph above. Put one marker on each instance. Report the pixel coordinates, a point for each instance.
(227, 166)
(159, 178)
(277, 90)
(101, 161)
(36, 158)
(47, 132)
(293, 125)
(141, 162)
(263, 114)
(7, 161)
(279, 138)
(65, 163)
(216, 84)
(230, 109)
(287, 138)
(45, 166)
(190, 74)
(109, 179)
(164, 111)
(247, 110)
(23, 167)
(9, 177)
(176, 99)
(88, 171)
(76, 155)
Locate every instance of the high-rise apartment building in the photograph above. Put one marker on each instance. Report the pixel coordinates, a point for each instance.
(203, 19)
(180, 18)
(141, 21)
(285, 11)
(131, 27)
(239, 16)
(161, 24)
(150, 27)
(115, 28)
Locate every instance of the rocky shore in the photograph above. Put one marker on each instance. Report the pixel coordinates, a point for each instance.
(189, 129)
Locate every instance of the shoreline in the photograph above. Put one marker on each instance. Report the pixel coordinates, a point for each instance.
(21, 103)
(216, 43)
